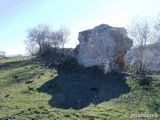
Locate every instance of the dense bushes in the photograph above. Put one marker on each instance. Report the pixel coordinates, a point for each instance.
(145, 81)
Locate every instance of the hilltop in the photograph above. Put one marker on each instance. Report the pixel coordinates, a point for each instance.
(29, 89)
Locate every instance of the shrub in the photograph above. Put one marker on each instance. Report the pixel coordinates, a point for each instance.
(145, 80)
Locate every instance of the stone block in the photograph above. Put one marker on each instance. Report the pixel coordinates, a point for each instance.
(104, 40)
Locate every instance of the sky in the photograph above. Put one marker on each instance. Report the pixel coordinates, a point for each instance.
(18, 15)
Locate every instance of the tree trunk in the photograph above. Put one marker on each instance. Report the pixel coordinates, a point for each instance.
(40, 49)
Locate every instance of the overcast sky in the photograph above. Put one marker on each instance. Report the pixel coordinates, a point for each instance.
(18, 15)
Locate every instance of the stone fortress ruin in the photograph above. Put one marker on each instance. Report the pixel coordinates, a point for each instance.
(103, 46)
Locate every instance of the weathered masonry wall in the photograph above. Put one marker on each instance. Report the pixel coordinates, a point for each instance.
(103, 46)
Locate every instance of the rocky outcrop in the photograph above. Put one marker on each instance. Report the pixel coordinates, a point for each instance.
(104, 46)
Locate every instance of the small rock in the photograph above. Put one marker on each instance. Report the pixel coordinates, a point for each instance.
(29, 88)
(51, 75)
(36, 66)
(52, 86)
(42, 74)
(7, 95)
(16, 76)
(30, 81)
(93, 89)
(158, 86)
(67, 115)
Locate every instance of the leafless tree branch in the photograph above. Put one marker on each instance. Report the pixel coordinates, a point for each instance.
(139, 31)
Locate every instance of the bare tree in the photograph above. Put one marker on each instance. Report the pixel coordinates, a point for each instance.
(139, 31)
(157, 28)
(2, 54)
(39, 35)
(63, 35)
(31, 47)
(46, 46)
(54, 39)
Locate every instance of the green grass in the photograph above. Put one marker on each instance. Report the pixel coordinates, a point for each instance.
(117, 102)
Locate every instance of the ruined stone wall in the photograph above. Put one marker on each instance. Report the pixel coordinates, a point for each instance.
(103, 46)
(66, 51)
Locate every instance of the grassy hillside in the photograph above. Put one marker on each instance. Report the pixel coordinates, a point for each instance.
(30, 90)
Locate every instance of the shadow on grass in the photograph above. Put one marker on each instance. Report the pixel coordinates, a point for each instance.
(21, 69)
(14, 64)
(76, 91)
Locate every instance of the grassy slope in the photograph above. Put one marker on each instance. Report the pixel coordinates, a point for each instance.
(24, 104)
